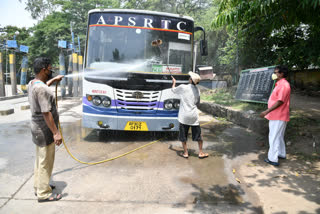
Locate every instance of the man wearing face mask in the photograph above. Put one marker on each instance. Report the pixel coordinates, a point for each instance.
(278, 115)
(44, 127)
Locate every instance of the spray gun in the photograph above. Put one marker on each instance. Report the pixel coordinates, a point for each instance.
(157, 43)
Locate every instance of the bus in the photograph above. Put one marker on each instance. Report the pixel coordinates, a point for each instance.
(130, 56)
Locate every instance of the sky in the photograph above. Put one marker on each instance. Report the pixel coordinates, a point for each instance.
(12, 12)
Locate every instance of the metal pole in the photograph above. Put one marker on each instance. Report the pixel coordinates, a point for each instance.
(13, 75)
(6, 74)
(70, 81)
(23, 78)
(80, 61)
(62, 72)
(2, 80)
(195, 56)
(75, 74)
(79, 45)
(72, 36)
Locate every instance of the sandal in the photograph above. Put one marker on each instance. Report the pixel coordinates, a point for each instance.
(52, 187)
(183, 155)
(205, 155)
(52, 197)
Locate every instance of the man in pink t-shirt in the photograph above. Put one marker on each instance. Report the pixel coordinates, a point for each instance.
(278, 115)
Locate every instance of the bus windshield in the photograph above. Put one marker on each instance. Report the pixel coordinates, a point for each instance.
(131, 49)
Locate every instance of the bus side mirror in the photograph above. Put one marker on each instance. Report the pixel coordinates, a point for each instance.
(204, 48)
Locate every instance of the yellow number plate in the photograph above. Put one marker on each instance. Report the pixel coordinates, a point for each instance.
(136, 126)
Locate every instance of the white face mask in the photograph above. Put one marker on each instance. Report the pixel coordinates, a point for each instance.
(274, 77)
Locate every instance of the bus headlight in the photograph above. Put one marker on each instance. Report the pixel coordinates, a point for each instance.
(168, 104)
(176, 104)
(96, 100)
(106, 102)
(172, 104)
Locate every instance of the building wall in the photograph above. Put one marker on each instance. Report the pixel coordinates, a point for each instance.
(306, 79)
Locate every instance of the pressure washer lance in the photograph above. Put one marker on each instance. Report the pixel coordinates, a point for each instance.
(157, 43)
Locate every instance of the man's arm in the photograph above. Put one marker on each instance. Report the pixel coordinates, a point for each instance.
(276, 105)
(56, 79)
(52, 126)
(173, 82)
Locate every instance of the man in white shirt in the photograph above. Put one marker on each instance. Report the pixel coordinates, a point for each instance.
(188, 112)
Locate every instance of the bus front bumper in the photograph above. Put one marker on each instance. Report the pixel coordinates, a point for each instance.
(123, 123)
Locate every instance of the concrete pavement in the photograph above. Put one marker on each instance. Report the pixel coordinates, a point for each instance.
(234, 179)
(154, 179)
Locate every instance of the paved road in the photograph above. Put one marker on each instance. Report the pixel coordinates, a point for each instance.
(152, 180)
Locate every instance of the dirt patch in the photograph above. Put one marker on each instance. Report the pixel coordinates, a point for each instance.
(303, 130)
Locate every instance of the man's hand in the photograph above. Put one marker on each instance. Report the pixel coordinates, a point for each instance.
(263, 114)
(173, 82)
(57, 138)
(276, 105)
(55, 79)
(58, 78)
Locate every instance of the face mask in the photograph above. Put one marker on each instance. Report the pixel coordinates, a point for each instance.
(274, 77)
(49, 75)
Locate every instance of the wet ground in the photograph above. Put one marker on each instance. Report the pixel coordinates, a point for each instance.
(154, 179)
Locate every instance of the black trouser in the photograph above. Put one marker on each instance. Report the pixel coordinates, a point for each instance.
(184, 129)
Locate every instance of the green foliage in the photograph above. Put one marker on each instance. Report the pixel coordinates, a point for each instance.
(273, 32)
(46, 34)
(40, 8)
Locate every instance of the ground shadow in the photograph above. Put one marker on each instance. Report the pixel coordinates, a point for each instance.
(220, 199)
(302, 181)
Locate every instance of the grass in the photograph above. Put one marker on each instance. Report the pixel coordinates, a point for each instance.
(225, 97)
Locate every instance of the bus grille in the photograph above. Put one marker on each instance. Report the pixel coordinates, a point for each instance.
(137, 100)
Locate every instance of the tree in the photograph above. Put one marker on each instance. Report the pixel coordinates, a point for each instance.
(39, 9)
(273, 32)
(46, 34)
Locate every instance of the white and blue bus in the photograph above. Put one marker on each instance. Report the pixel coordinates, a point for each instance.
(127, 79)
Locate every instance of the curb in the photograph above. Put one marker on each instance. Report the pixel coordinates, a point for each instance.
(8, 111)
(13, 97)
(251, 121)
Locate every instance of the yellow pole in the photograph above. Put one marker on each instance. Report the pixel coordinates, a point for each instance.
(13, 77)
(2, 82)
(80, 61)
(75, 74)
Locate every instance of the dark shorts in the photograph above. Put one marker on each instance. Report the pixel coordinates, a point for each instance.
(183, 132)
